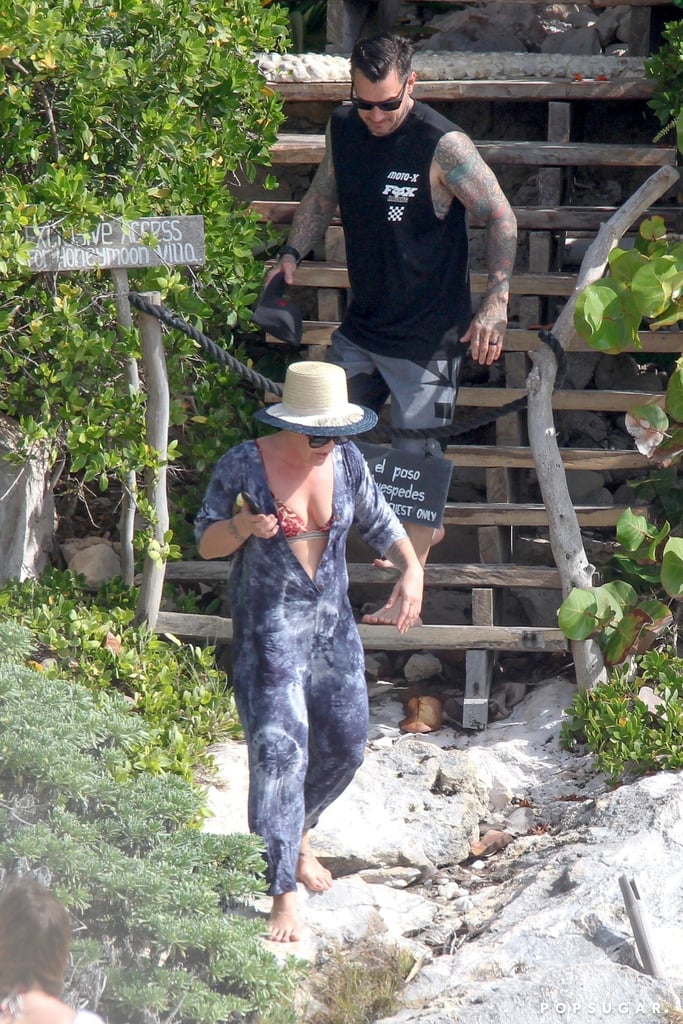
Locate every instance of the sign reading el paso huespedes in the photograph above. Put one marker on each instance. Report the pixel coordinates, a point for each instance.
(119, 244)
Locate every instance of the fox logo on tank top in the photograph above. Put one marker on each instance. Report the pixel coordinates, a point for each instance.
(399, 194)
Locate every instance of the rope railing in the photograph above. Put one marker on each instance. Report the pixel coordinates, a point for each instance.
(465, 424)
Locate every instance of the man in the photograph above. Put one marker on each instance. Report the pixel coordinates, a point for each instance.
(405, 178)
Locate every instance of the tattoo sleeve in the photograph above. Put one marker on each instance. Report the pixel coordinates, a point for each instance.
(316, 210)
(473, 182)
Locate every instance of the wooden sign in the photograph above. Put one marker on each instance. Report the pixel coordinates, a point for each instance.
(120, 244)
(416, 486)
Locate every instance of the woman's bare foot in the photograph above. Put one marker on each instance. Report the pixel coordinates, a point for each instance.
(309, 871)
(385, 616)
(284, 920)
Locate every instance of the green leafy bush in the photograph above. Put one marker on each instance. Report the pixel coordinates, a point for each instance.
(159, 905)
(121, 111)
(666, 67)
(644, 283)
(634, 722)
(183, 699)
(626, 614)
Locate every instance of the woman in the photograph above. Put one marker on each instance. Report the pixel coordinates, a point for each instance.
(298, 664)
(35, 934)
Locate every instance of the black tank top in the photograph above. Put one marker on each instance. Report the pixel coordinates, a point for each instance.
(408, 269)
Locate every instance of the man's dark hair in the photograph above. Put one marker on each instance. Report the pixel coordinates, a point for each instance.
(377, 57)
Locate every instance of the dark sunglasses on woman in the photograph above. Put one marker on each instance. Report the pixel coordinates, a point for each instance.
(318, 441)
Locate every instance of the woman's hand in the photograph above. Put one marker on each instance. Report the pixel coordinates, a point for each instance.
(405, 601)
(407, 598)
(259, 524)
(226, 536)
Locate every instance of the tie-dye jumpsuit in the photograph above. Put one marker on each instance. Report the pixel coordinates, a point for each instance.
(298, 664)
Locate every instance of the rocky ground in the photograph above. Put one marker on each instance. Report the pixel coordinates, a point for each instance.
(495, 859)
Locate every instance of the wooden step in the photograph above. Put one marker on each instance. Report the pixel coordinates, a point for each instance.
(593, 3)
(461, 575)
(320, 274)
(533, 218)
(291, 148)
(318, 332)
(494, 90)
(216, 629)
(596, 401)
(593, 401)
(508, 514)
(517, 457)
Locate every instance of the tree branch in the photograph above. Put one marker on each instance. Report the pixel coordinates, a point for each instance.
(47, 107)
(565, 534)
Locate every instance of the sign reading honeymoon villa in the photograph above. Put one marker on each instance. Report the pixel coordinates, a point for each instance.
(119, 244)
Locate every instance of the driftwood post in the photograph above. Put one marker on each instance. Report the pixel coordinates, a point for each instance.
(565, 534)
(158, 405)
(27, 510)
(124, 322)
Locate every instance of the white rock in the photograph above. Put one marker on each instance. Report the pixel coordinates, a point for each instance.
(422, 666)
(552, 944)
(99, 563)
(431, 66)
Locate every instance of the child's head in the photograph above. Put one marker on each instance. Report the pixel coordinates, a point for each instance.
(35, 933)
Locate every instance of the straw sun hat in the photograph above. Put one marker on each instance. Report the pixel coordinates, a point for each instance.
(315, 401)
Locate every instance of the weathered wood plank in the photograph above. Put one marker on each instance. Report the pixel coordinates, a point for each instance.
(491, 456)
(600, 401)
(532, 218)
(516, 340)
(386, 638)
(292, 148)
(319, 274)
(465, 514)
(526, 89)
(465, 575)
(593, 3)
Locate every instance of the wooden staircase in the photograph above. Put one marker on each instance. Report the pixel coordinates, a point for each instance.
(508, 464)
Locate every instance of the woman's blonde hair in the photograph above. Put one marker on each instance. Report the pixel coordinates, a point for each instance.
(35, 934)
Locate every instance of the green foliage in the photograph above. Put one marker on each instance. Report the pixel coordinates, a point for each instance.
(661, 491)
(633, 723)
(175, 688)
(307, 23)
(125, 110)
(645, 283)
(148, 890)
(666, 67)
(626, 617)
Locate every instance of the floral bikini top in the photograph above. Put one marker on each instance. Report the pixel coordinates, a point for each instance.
(293, 526)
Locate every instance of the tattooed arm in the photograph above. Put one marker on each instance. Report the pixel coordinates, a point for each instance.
(313, 215)
(458, 170)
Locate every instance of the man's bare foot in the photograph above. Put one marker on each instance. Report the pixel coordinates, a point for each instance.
(309, 871)
(284, 920)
